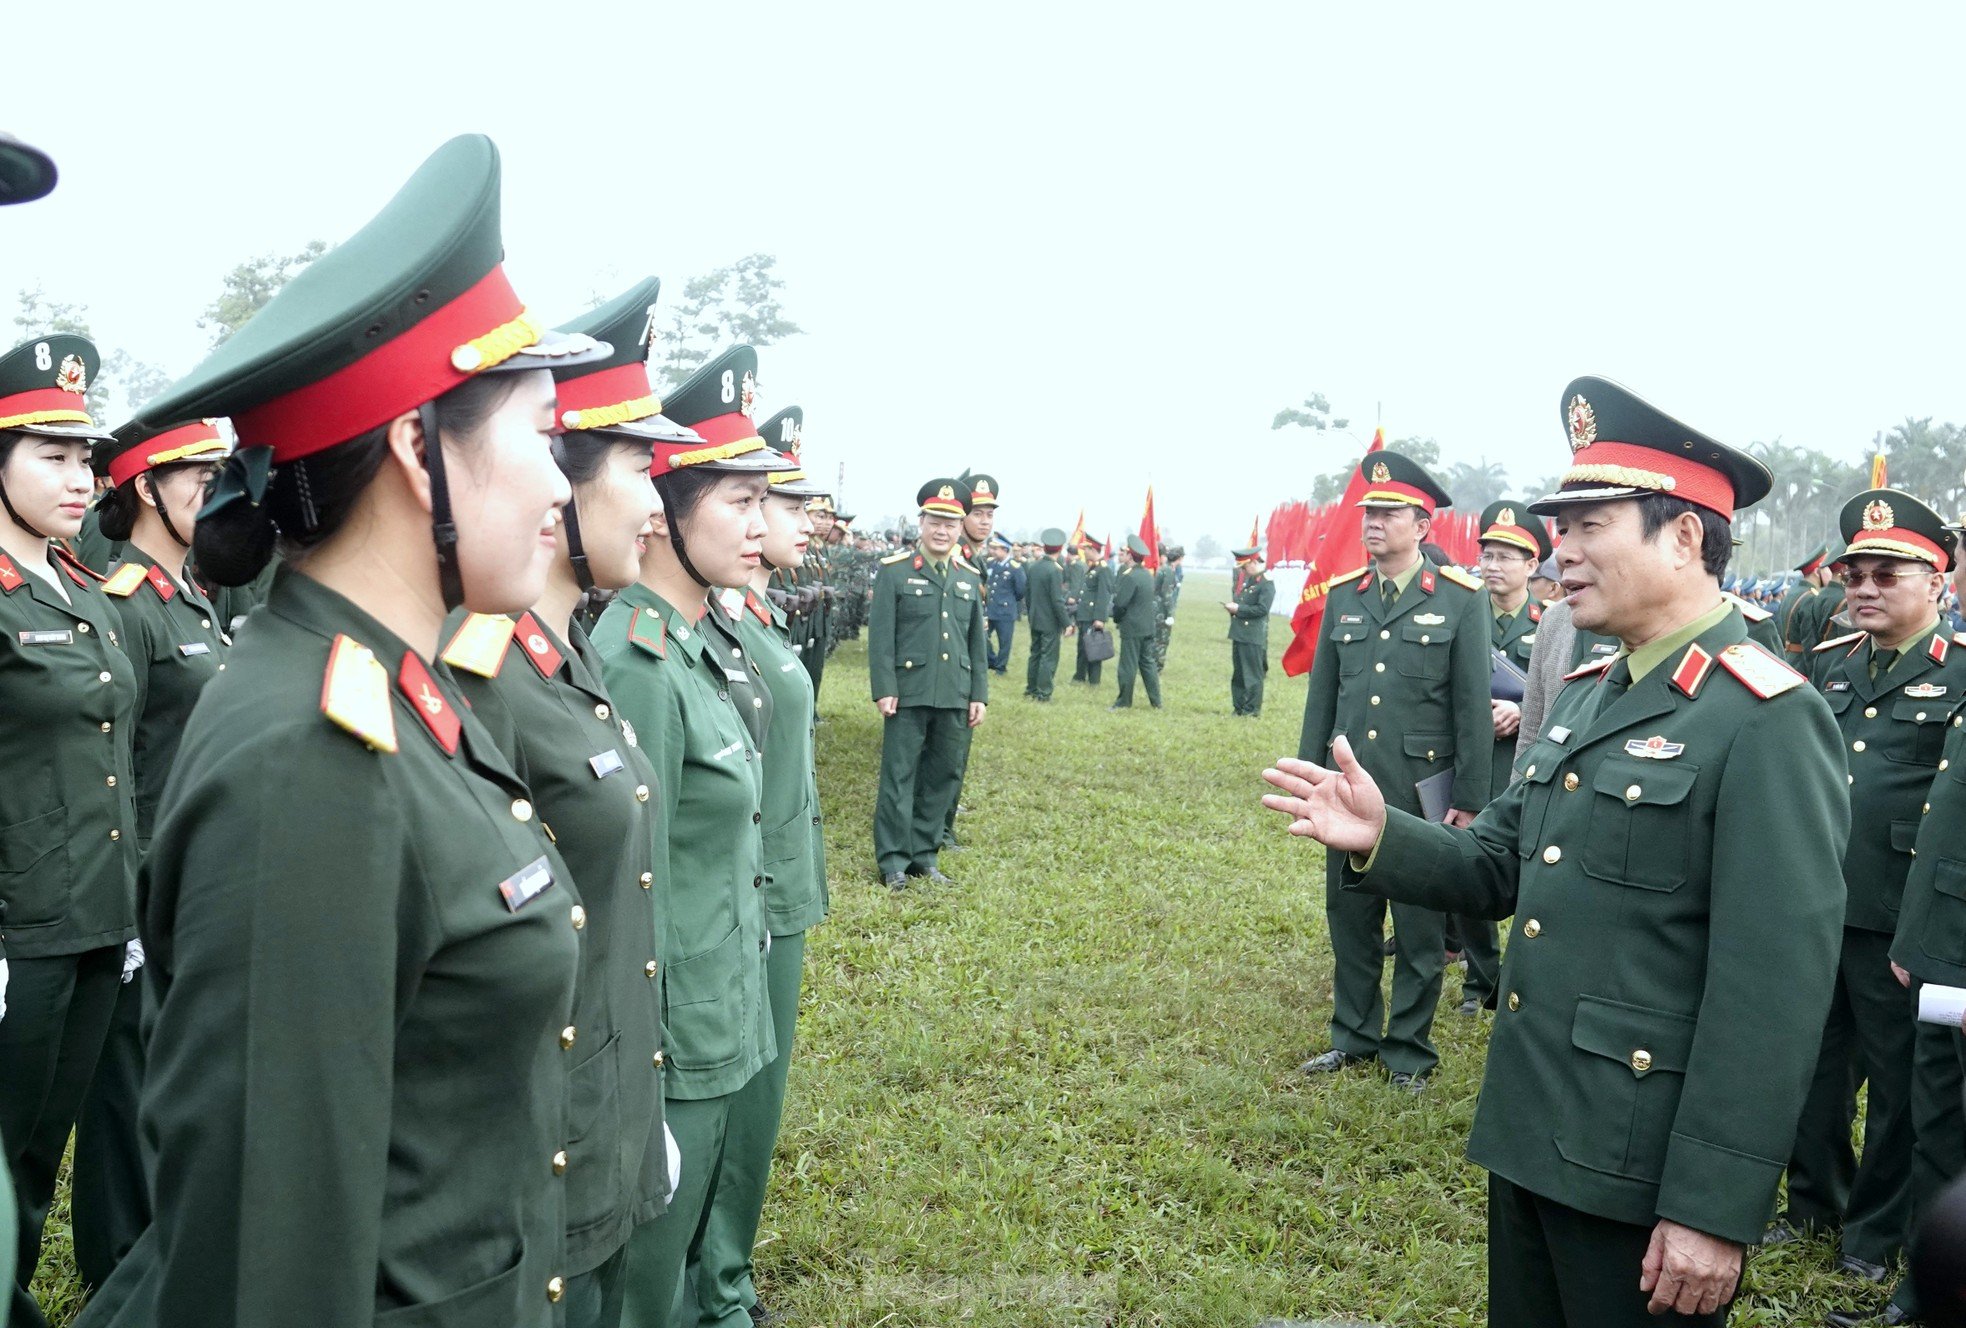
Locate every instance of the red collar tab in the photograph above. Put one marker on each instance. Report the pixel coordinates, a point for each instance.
(918, 562)
(1585, 670)
(416, 683)
(186, 443)
(1629, 466)
(607, 397)
(1365, 584)
(1937, 650)
(480, 328)
(10, 577)
(78, 571)
(1535, 612)
(160, 581)
(538, 646)
(1694, 666)
(1427, 581)
(757, 606)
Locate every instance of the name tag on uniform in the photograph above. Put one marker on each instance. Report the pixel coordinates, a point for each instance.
(788, 666)
(190, 648)
(731, 750)
(1558, 735)
(916, 581)
(63, 637)
(1351, 617)
(607, 763)
(526, 884)
(1605, 648)
(735, 675)
(1837, 685)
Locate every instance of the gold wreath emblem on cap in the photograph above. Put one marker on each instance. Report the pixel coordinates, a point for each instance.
(748, 400)
(1381, 475)
(1583, 424)
(946, 491)
(72, 376)
(983, 488)
(1879, 516)
(1505, 517)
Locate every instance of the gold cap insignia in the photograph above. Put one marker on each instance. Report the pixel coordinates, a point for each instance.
(72, 376)
(1879, 516)
(1380, 474)
(1583, 424)
(1505, 517)
(748, 398)
(983, 489)
(946, 491)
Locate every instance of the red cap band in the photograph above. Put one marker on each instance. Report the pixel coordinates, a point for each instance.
(398, 375)
(1897, 542)
(1629, 466)
(43, 405)
(1814, 565)
(1517, 535)
(612, 396)
(185, 443)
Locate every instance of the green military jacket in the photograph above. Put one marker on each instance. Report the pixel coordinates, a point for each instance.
(1642, 1065)
(1591, 648)
(1045, 580)
(1785, 614)
(1407, 683)
(1515, 643)
(362, 953)
(925, 636)
(541, 698)
(68, 821)
(1812, 624)
(1894, 729)
(1762, 627)
(1930, 943)
(1074, 574)
(1096, 599)
(794, 841)
(671, 678)
(1166, 589)
(172, 636)
(1251, 623)
(1136, 610)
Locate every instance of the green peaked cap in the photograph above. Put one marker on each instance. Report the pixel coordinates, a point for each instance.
(1892, 524)
(611, 391)
(1508, 521)
(1393, 481)
(44, 384)
(26, 172)
(983, 489)
(784, 432)
(407, 308)
(717, 401)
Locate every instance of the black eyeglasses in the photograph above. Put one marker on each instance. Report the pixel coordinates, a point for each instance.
(1854, 578)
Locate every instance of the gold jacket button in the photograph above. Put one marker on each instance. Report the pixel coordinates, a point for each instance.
(1371, 734)
(1376, 668)
(579, 917)
(1920, 717)
(103, 676)
(1632, 793)
(1532, 929)
(521, 810)
(1375, 700)
(555, 1288)
(601, 712)
(1857, 746)
(1515, 1001)
(945, 657)
(111, 781)
(650, 969)
(1926, 810)
(658, 1060)
(1530, 773)
(106, 726)
(641, 793)
(567, 1036)
(648, 879)
(1942, 764)
(115, 834)
(1641, 1060)
(1870, 712)
(81, 627)
(1424, 638)
(204, 622)
(560, 1163)
(1430, 753)
(1552, 855)
(1385, 636)
(1570, 782)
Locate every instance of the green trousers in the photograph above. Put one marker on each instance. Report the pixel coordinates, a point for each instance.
(725, 1292)
(656, 1294)
(58, 1012)
(1358, 927)
(1137, 660)
(1551, 1266)
(1869, 1037)
(595, 1298)
(1086, 670)
(109, 1199)
(1041, 669)
(1938, 1070)
(1480, 944)
(1250, 661)
(1162, 631)
(923, 752)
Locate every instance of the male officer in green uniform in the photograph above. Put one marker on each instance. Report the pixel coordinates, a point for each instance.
(1676, 932)
(1167, 590)
(1402, 668)
(1051, 616)
(1814, 573)
(1137, 613)
(1249, 633)
(1816, 619)
(928, 666)
(1095, 608)
(1513, 543)
(1893, 685)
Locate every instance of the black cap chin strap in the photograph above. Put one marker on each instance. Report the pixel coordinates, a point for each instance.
(157, 501)
(443, 529)
(682, 554)
(576, 551)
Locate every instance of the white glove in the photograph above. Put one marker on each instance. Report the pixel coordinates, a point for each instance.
(132, 959)
(1168, 621)
(3, 989)
(668, 1142)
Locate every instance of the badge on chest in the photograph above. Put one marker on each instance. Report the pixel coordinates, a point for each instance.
(62, 637)
(607, 763)
(526, 884)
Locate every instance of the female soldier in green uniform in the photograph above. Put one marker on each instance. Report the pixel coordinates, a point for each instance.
(362, 943)
(687, 686)
(795, 892)
(174, 641)
(68, 830)
(593, 784)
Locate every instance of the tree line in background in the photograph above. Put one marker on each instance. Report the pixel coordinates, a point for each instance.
(738, 302)
(1924, 458)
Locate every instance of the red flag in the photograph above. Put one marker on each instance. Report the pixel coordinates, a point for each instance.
(1150, 533)
(1255, 533)
(1878, 472)
(1078, 533)
(1341, 550)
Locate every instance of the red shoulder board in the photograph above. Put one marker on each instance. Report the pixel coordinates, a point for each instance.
(1939, 647)
(415, 682)
(1759, 671)
(1694, 666)
(538, 646)
(645, 630)
(160, 581)
(10, 577)
(1427, 580)
(78, 571)
(1535, 612)
(757, 606)
(1585, 670)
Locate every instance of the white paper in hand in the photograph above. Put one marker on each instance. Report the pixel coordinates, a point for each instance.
(675, 1159)
(1941, 1005)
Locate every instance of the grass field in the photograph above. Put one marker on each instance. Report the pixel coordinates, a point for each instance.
(1063, 1091)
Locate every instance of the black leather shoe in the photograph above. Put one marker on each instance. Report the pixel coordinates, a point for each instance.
(952, 847)
(932, 874)
(1468, 1006)
(895, 880)
(1855, 1267)
(1328, 1061)
(760, 1316)
(1409, 1083)
(1890, 1315)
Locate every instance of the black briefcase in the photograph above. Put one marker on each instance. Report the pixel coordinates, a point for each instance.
(1098, 644)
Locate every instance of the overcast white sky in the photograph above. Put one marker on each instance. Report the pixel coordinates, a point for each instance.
(1086, 246)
